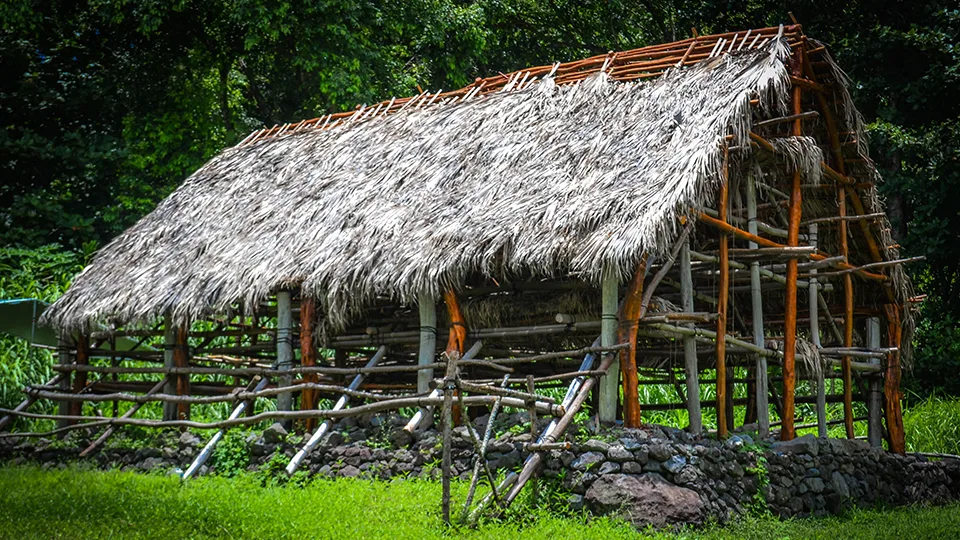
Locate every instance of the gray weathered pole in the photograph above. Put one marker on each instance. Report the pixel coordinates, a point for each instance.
(756, 302)
(610, 383)
(170, 387)
(284, 350)
(64, 358)
(875, 389)
(812, 294)
(428, 341)
(690, 345)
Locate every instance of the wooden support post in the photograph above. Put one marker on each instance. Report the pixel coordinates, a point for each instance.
(610, 383)
(532, 413)
(181, 359)
(874, 395)
(756, 305)
(80, 378)
(895, 432)
(456, 342)
(814, 306)
(629, 322)
(790, 311)
(847, 318)
(428, 341)
(690, 345)
(284, 351)
(170, 387)
(723, 294)
(308, 357)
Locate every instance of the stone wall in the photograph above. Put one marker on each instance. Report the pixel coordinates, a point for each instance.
(653, 476)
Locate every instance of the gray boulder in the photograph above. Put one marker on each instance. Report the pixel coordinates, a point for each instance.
(645, 500)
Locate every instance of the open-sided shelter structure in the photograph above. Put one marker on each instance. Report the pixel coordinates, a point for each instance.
(707, 208)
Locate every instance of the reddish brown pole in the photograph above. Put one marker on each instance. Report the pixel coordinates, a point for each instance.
(629, 322)
(897, 440)
(181, 358)
(308, 357)
(790, 312)
(456, 343)
(723, 293)
(80, 377)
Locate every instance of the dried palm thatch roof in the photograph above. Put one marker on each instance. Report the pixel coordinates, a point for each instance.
(537, 177)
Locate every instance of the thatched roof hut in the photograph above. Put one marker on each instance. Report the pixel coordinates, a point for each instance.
(538, 197)
(557, 171)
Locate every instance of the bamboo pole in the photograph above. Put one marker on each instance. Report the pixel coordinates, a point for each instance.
(340, 405)
(874, 399)
(897, 440)
(814, 305)
(723, 295)
(446, 418)
(610, 384)
(308, 357)
(284, 350)
(181, 358)
(629, 320)
(690, 345)
(756, 302)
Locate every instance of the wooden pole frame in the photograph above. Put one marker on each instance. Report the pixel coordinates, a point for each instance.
(629, 322)
(609, 387)
(723, 294)
(756, 303)
(690, 345)
(308, 357)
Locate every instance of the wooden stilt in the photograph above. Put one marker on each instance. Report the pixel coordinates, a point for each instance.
(610, 383)
(896, 437)
(629, 321)
(756, 306)
(308, 357)
(690, 345)
(456, 342)
(284, 351)
(723, 294)
(874, 395)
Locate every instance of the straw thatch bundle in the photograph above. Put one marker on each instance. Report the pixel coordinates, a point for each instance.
(548, 180)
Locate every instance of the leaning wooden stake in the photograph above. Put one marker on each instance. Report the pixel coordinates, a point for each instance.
(756, 303)
(723, 293)
(341, 404)
(208, 449)
(446, 416)
(481, 459)
(130, 412)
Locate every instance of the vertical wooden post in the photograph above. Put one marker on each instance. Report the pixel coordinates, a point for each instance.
(610, 383)
(532, 413)
(449, 385)
(874, 397)
(80, 377)
(64, 346)
(629, 321)
(308, 357)
(456, 342)
(428, 341)
(814, 305)
(284, 351)
(170, 387)
(756, 306)
(181, 359)
(723, 294)
(897, 438)
(787, 431)
(690, 345)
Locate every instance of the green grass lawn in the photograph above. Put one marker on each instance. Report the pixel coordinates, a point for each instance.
(74, 504)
